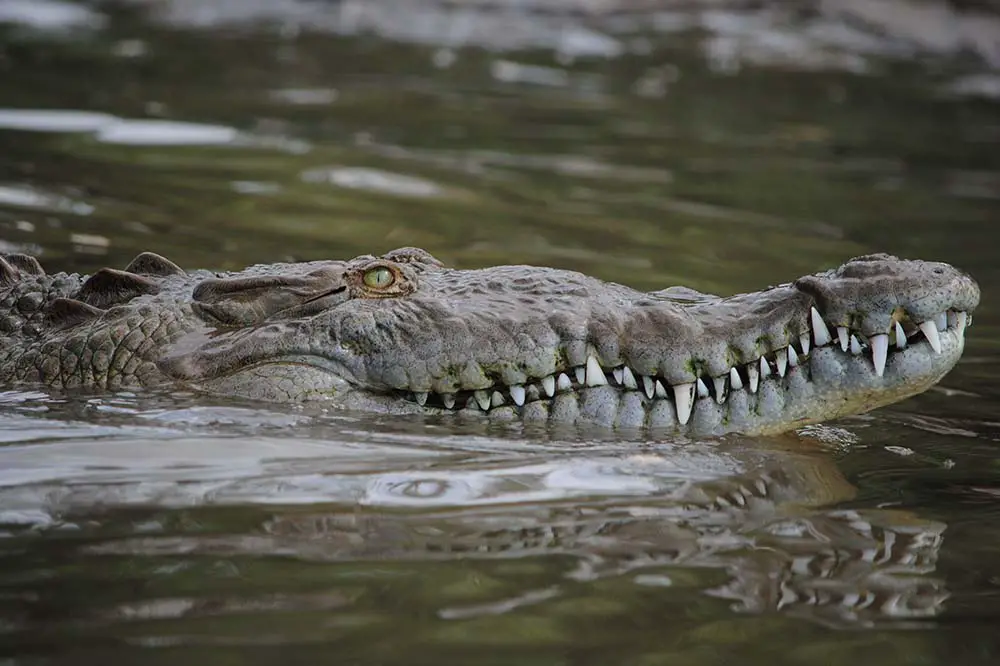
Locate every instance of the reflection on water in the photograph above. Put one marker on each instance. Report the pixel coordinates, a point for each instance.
(720, 147)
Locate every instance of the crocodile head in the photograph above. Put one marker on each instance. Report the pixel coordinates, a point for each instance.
(401, 333)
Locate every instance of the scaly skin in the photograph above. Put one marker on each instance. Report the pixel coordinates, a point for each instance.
(403, 334)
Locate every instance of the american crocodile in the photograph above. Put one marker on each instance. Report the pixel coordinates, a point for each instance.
(403, 334)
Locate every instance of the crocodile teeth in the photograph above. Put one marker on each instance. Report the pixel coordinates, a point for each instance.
(880, 352)
(549, 385)
(628, 379)
(659, 390)
(765, 368)
(821, 334)
(617, 374)
(595, 374)
(720, 389)
(563, 382)
(735, 382)
(496, 399)
(900, 336)
(952, 319)
(517, 394)
(420, 397)
(842, 336)
(753, 376)
(961, 319)
(855, 345)
(804, 343)
(684, 400)
(931, 332)
(448, 399)
(793, 358)
(941, 320)
(647, 386)
(581, 374)
(782, 361)
(701, 388)
(482, 399)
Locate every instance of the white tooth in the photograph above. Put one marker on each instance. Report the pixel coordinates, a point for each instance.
(880, 352)
(961, 319)
(701, 388)
(720, 389)
(517, 394)
(647, 386)
(617, 374)
(842, 336)
(628, 379)
(753, 376)
(952, 319)
(549, 385)
(781, 358)
(448, 399)
(793, 358)
(821, 334)
(421, 397)
(482, 399)
(496, 399)
(595, 374)
(804, 342)
(684, 401)
(735, 381)
(765, 367)
(941, 320)
(900, 336)
(659, 391)
(581, 375)
(855, 345)
(563, 383)
(931, 332)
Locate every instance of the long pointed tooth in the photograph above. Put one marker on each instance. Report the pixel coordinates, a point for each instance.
(735, 381)
(754, 376)
(684, 401)
(961, 319)
(628, 379)
(482, 399)
(720, 388)
(517, 394)
(821, 334)
(804, 343)
(658, 390)
(765, 367)
(448, 399)
(647, 386)
(880, 352)
(617, 374)
(421, 397)
(781, 359)
(842, 336)
(701, 388)
(793, 357)
(941, 321)
(900, 336)
(581, 375)
(563, 383)
(549, 385)
(931, 332)
(855, 345)
(595, 374)
(496, 399)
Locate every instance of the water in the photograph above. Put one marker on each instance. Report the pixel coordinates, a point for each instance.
(159, 527)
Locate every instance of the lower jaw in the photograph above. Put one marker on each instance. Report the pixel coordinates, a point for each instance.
(830, 385)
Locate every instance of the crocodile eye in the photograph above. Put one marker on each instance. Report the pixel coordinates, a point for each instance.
(379, 278)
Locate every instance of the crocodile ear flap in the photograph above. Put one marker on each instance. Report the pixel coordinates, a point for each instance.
(109, 287)
(68, 312)
(150, 263)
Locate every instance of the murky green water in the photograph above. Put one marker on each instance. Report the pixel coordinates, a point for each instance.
(163, 528)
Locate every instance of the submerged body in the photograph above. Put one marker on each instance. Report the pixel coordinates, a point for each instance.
(403, 334)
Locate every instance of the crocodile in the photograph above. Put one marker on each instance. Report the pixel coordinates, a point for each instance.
(401, 333)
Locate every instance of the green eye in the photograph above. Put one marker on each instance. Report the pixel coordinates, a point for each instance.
(379, 278)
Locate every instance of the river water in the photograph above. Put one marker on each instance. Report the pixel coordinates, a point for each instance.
(722, 150)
